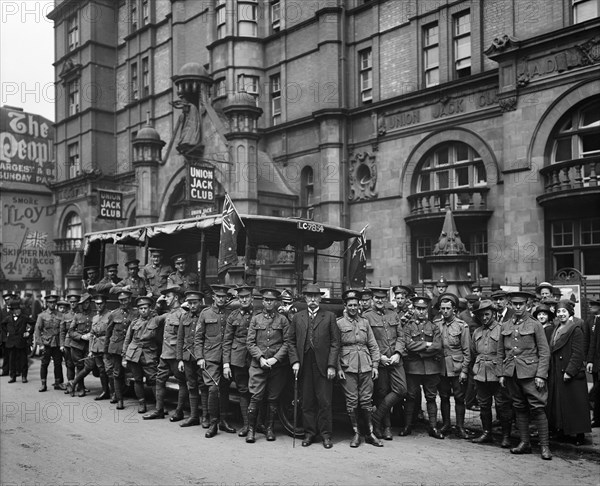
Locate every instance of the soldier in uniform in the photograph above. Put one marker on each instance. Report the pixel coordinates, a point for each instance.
(79, 337)
(525, 356)
(486, 370)
(118, 323)
(186, 361)
(390, 386)
(402, 293)
(456, 349)
(140, 349)
(287, 307)
(181, 277)
(441, 286)
(109, 280)
(236, 360)
(268, 344)
(314, 351)
(167, 365)
(156, 273)
(208, 348)
(65, 339)
(96, 360)
(47, 336)
(357, 365)
(422, 365)
(16, 327)
(366, 301)
(133, 282)
(92, 277)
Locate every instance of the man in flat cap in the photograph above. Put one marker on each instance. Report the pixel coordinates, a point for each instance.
(79, 337)
(156, 273)
(314, 350)
(186, 360)
(47, 336)
(358, 366)
(97, 346)
(133, 282)
(236, 359)
(390, 387)
(456, 351)
(525, 356)
(118, 323)
(208, 348)
(181, 276)
(141, 348)
(268, 344)
(16, 328)
(486, 370)
(422, 364)
(168, 363)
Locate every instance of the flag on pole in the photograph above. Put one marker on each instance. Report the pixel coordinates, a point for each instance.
(357, 271)
(231, 224)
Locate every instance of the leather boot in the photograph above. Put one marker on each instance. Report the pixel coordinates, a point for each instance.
(250, 437)
(118, 393)
(204, 402)
(541, 422)
(506, 430)
(460, 431)
(159, 410)
(182, 398)
(243, 432)
(355, 442)
(212, 429)
(142, 406)
(486, 423)
(193, 418)
(225, 427)
(24, 378)
(524, 446)
(378, 419)
(387, 427)
(409, 411)
(43, 388)
(270, 432)
(445, 409)
(111, 388)
(105, 390)
(432, 413)
(369, 436)
(70, 388)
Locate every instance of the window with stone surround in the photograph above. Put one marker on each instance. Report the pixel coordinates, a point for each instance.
(73, 160)
(365, 67)
(133, 77)
(462, 44)
(585, 10)
(248, 84)
(247, 18)
(275, 86)
(221, 16)
(220, 87)
(276, 16)
(575, 243)
(145, 76)
(133, 15)
(431, 55)
(72, 32)
(73, 228)
(145, 12)
(73, 96)
(578, 134)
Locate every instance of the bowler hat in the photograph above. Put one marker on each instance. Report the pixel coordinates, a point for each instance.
(312, 288)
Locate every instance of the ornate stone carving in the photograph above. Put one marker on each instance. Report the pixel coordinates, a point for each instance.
(500, 44)
(449, 242)
(363, 177)
(508, 104)
(590, 51)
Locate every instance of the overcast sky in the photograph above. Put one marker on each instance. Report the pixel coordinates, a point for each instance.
(26, 56)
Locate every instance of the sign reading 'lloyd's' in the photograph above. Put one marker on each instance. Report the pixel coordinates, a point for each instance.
(201, 183)
(111, 204)
(26, 147)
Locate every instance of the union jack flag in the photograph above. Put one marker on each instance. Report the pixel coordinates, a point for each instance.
(36, 239)
(231, 224)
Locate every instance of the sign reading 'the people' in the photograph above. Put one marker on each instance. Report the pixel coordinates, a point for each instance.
(201, 183)
(111, 204)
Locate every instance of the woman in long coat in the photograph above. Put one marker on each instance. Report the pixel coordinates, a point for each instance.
(568, 404)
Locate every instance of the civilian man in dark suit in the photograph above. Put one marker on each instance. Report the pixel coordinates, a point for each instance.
(314, 350)
(503, 312)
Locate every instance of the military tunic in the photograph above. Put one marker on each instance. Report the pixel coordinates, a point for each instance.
(186, 281)
(235, 352)
(65, 343)
(268, 337)
(359, 354)
(141, 347)
(156, 277)
(47, 333)
(135, 285)
(118, 323)
(81, 325)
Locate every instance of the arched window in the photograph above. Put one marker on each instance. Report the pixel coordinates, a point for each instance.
(578, 134)
(73, 227)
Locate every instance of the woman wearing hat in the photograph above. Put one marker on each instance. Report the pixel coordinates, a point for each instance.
(568, 404)
(545, 315)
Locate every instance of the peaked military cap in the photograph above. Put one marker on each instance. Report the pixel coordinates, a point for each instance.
(420, 301)
(379, 291)
(520, 296)
(156, 251)
(351, 294)
(595, 301)
(73, 295)
(451, 297)
(366, 292)
(132, 263)
(179, 258)
(442, 281)
(499, 294)
(124, 293)
(220, 290)
(111, 265)
(63, 302)
(100, 298)
(144, 300)
(244, 290)
(402, 288)
(476, 288)
(194, 295)
(270, 293)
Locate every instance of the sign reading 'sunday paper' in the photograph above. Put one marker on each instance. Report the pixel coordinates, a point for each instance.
(26, 147)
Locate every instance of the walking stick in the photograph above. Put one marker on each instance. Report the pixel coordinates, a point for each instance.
(295, 409)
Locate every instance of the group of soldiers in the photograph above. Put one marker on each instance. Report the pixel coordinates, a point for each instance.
(382, 355)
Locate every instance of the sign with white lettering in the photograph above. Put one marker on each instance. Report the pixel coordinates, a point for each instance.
(201, 183)
(111, 204)
(26, 147)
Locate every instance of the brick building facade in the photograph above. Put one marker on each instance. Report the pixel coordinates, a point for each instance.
(351, 112)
